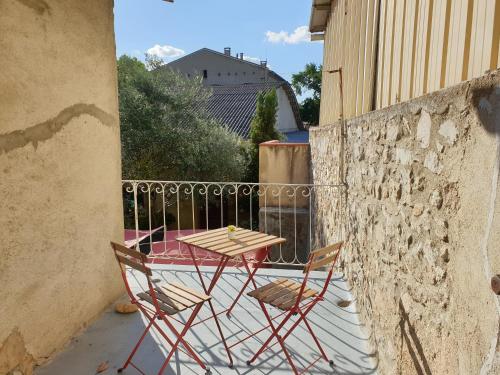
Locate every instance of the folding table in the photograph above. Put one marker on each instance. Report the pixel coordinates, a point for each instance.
(242, 243)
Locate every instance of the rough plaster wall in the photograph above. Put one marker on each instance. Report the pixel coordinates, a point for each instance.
(423, 226)
(59, 172)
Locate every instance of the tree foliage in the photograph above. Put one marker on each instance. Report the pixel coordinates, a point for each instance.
(262, 129)
(166, 132)
(309, 80)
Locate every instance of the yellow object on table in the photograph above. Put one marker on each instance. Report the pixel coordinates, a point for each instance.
(231, 231)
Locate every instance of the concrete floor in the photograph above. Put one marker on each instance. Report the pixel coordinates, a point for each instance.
(112, 336)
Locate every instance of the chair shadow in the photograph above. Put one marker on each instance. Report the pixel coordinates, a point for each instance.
(206, 342)
(413, 344)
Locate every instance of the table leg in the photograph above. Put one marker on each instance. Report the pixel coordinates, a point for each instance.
(251, 274)
(208, 291)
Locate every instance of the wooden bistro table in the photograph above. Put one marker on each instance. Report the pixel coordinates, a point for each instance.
(241, 245)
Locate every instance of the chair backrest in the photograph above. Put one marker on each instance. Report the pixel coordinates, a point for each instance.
(131, 258)
(136, 260)
(324, 257)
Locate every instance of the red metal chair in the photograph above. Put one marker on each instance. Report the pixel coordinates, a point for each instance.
(288, 295)
(160, 302)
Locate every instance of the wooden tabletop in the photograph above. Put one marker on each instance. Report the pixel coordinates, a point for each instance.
(244, 241)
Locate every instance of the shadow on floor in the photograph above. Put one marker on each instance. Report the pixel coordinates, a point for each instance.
(112, 337)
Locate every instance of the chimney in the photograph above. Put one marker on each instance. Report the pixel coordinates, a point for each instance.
(227, 51)
(241, 55)
(263, 63)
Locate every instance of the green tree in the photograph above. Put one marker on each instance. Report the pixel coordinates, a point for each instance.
(166, 132)
(262, 129)
(309, 80)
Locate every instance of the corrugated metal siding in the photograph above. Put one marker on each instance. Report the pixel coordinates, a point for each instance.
(350, 45)
(423, 46)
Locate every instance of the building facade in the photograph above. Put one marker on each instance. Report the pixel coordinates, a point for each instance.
(390, 51)
(235, 83)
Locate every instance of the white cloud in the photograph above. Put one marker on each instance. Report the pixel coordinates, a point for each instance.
(165, 51)
(300, 34)
(255, 60)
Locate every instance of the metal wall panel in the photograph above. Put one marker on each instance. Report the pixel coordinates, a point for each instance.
(394, 50)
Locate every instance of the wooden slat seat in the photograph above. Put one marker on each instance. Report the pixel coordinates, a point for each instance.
(174, 298)
(282, 293)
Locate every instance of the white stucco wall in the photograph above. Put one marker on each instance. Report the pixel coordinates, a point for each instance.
(220, 69)
(286, 120)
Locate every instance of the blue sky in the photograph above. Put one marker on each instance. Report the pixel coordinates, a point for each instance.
(261, 29)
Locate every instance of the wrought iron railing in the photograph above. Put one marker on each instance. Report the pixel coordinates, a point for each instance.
(156, 212)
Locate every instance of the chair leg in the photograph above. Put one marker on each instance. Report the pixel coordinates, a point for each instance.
(228, 351)
(180, 339)
(208, 291)
(282, 344)
(278, 336)
(309, 328)
(273, 334)
(314, 337)
(129, 359)
(281, 339)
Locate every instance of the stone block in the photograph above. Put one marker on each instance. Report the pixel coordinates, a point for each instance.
(393, 132)
(436, 199)
(449, 131)
(428, 241)
(404, 156)
(424, 129)
(432, 162)
(418, 209)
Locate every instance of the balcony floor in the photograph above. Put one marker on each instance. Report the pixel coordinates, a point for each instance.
(112, 336)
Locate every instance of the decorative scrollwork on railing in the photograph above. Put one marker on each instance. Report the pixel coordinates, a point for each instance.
(169, 209)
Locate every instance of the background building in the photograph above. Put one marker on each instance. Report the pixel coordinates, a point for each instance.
(236, 82)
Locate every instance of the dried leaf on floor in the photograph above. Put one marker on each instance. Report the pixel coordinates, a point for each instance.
(102, 367)
(343, 303)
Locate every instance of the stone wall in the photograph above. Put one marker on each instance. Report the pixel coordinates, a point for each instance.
(422, 221)
(60, 174)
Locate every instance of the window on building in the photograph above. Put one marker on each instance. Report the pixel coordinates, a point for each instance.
(205, 73)
(218, 74)
(228, 73)
(236, 73)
